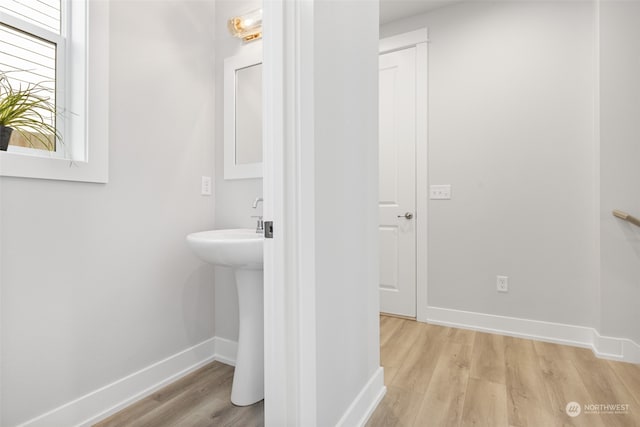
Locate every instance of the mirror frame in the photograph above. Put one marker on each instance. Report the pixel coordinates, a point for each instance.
(250, 55)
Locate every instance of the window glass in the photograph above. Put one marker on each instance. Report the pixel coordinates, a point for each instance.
(28, 62)
(43, 13)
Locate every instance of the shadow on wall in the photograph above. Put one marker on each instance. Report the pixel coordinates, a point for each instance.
(631, 235)
(197, 297)
(226, 304)
(190, 16)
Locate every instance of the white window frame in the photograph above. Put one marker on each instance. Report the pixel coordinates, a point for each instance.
(82, 84)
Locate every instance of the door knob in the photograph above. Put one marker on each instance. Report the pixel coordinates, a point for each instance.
(408, 215)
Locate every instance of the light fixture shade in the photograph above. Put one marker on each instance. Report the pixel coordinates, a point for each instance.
(247, 27)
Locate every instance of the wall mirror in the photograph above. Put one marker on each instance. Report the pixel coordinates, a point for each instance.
(243, 114)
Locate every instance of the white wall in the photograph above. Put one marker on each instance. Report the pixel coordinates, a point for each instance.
(97, 281)
(345, 133)
(511, 106)
(620, 152)
(233, 197)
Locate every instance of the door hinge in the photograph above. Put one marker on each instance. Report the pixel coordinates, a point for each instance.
(268, 229)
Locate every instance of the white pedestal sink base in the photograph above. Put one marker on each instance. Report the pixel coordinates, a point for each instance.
(248, 378)
(242, 250)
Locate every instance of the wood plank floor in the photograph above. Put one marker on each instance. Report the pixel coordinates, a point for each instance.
(435, 376)
(200, 399)
(439, 376)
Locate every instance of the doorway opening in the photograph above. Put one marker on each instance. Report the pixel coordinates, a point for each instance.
(403, 178)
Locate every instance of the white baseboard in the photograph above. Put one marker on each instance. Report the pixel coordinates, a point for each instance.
(107, 400)
(101, 403)
(621, 349)
(366, 402)
(226, 351)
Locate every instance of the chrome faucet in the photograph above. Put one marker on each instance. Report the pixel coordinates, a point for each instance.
(260, 223)
(256, 201)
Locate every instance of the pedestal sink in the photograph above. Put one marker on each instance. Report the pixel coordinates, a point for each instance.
(241, 250)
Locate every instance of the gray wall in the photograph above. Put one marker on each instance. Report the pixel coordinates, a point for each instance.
(345, 132)
(620, 167)
(97, 281)
(511, 116)
(233, 197)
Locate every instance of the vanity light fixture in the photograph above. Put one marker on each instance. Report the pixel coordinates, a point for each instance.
(248, 27)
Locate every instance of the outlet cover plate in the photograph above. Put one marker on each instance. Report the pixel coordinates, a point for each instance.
(502, 284)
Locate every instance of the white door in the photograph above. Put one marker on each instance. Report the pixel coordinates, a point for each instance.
(397, 186)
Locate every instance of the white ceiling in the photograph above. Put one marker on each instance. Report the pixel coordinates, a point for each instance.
(390, 10)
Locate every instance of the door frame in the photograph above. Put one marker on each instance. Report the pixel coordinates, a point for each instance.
(289, 309)
(418, 39)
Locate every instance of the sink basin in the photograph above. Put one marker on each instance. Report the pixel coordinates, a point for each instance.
(239, 248)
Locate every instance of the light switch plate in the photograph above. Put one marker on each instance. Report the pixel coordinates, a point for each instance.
(440, 192)
(206, 186)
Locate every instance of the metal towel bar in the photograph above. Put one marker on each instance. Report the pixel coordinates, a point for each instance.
(629, 218)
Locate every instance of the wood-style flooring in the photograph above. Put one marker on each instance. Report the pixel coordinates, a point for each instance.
(200, 399)
(435, 377)
(439, 376)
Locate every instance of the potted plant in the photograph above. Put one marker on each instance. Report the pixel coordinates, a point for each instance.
(23, 110)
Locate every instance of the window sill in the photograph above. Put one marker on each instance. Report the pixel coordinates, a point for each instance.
(24, 166)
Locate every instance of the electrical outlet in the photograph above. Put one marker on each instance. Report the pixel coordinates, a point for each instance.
(502, 284)
(206, 186)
